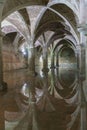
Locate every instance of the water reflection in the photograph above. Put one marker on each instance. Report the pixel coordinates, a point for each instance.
(66, 76)
(19, 112)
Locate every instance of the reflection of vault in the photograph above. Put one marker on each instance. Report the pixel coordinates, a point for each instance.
(42, 35)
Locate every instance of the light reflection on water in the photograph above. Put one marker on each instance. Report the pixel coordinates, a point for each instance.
(66, 116)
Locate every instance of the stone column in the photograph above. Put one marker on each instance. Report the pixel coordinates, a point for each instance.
(31, 59)
(83, 109)
(52, 86)
(57, 59)
(31, 72)
(77, 53)
(2, 119)
(44, 103)
(1, 72)
(45, 68)
(31, 116)
(52, 60)
(83, 60)
(83, 79)
(45, 59)
(3, 85)
(1, 62)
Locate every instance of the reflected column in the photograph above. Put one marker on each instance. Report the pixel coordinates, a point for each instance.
(32, 112)
(30, 120)
(31, 69)
(52, 86)
(45, 101)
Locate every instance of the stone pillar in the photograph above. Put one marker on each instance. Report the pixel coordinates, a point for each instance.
(83, 109)
(1, 69)
(44, 103)
(77, 53)
(52, 86)
(45, 68)
(31, 72)
(78, 60)
(57, 59)
(1, 62)
(83, 79)
(83, 62)
(52, 60)
(45, 59)
(2, 119)
(3, 85)
(31, 59)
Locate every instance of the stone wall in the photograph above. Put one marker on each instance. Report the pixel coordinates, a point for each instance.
(11, 60)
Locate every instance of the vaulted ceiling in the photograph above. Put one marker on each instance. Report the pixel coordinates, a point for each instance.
(38, 17)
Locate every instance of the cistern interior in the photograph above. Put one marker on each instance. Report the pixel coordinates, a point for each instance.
(43, 65)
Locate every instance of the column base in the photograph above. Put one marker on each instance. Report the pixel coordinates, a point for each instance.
(3, 86)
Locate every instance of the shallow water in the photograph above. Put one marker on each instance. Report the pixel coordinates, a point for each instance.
(57, 109)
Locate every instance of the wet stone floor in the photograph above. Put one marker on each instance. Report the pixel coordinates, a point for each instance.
(56, 106)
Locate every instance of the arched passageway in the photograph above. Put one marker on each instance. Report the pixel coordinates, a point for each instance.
(42, 65)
